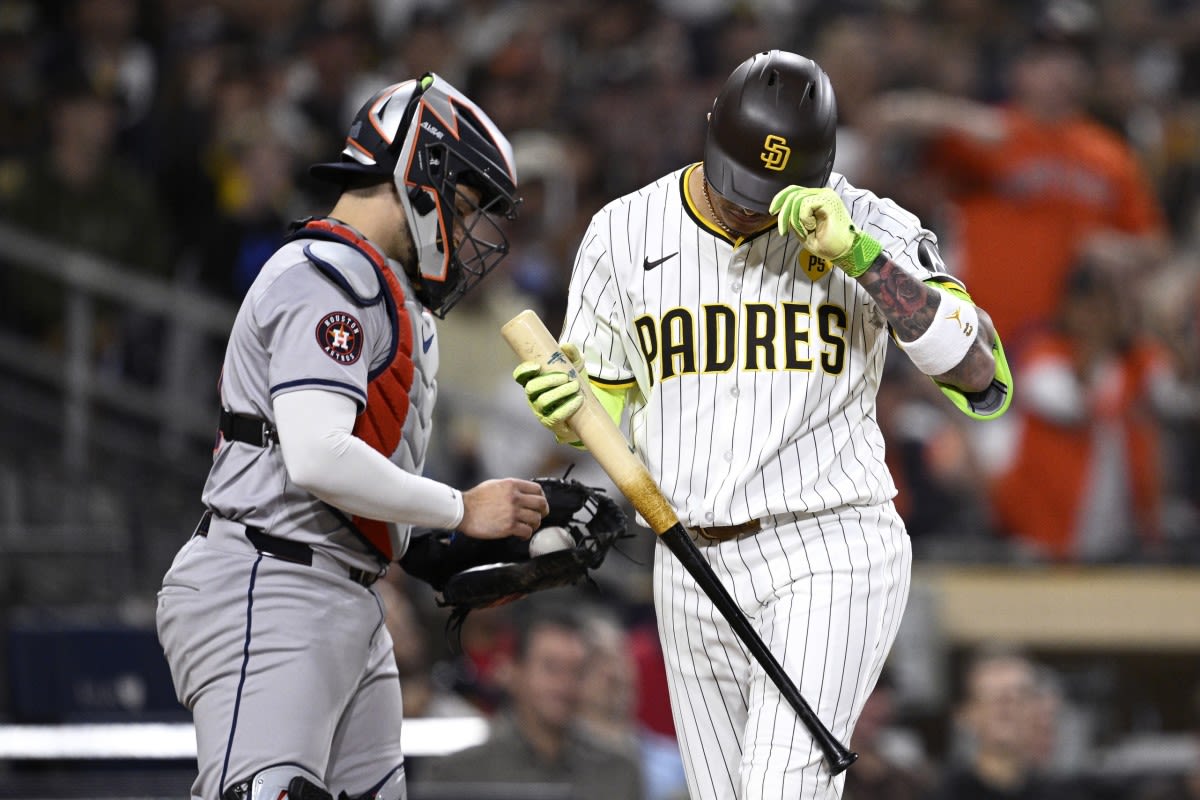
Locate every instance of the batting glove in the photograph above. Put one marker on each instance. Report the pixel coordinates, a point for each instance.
(554, 396)
(820, 218)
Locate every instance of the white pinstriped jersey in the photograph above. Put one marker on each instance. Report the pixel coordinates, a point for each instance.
(756, 365)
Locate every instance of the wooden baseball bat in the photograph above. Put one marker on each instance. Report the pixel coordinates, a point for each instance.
(529, 339)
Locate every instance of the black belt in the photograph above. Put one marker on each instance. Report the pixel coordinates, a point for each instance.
(244, 428)
(284, 549)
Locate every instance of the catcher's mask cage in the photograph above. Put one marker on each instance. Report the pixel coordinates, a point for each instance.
(431, 139)
(773, 125)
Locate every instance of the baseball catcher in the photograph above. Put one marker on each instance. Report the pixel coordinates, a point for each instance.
(574, 537)
(328, 392)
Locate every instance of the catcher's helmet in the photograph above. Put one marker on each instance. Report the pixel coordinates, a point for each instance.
(429, 138)
(773, 124)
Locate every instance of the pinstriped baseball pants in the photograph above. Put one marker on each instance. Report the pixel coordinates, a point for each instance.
(826, 592)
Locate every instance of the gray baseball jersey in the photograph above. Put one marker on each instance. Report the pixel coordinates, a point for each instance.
(280, 651)
(316, 318)
(754, 367)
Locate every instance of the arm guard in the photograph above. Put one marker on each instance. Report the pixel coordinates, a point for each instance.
(993, 401)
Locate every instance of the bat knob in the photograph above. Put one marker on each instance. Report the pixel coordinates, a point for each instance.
(839, 762)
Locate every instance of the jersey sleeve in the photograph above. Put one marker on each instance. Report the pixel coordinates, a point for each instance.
(904, 240)
(914, 249)
(596, 317)
(315, 336)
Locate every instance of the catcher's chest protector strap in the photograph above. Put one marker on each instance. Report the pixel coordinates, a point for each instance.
(381, 423)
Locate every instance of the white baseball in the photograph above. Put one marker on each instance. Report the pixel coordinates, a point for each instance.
(549, 540)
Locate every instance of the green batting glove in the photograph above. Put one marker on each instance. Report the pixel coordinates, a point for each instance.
(820, 218)
(554, 396)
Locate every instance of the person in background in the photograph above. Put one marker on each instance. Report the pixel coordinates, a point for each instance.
(66, 194)
(1036, 183)
(1085, 481)
(535, 739)
(998, 713)
(608, 708)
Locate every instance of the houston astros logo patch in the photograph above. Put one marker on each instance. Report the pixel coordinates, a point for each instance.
(340, 337)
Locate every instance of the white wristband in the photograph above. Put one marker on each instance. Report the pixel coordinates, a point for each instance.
(943, 345)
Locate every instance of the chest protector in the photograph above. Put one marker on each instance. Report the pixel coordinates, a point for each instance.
(381, 423)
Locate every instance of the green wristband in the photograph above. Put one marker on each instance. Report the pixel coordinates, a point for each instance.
(861, 256)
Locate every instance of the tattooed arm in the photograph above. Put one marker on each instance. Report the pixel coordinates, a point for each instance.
(910, 305)
(940, 329)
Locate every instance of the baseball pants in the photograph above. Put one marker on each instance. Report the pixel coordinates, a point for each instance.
(279, 663)
(826, 592)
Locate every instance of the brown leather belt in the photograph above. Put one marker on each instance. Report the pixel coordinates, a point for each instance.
(724, 533)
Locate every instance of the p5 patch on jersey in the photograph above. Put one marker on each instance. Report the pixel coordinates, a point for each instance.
(340, 337)
(814, 267)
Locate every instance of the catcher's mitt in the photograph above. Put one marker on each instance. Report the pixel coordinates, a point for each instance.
(472, 573)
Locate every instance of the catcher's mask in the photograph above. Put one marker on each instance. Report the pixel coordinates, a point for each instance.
(773, 125)
(431, 139)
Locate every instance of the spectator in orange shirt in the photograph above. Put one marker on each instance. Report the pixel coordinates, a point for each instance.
(1037, 183)
(1085, 482)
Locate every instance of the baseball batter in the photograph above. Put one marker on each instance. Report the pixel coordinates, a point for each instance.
(268, 616)
(739, 309)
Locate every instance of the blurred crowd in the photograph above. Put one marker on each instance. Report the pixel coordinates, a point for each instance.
(1053, 147)
(574, 688)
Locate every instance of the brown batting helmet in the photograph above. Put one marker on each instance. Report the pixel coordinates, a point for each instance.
(774, 124)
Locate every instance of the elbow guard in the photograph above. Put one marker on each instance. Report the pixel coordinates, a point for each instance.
(993, 401)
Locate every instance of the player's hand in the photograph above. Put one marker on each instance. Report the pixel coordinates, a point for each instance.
(503, 507)
(820, 218)
(554, 396)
